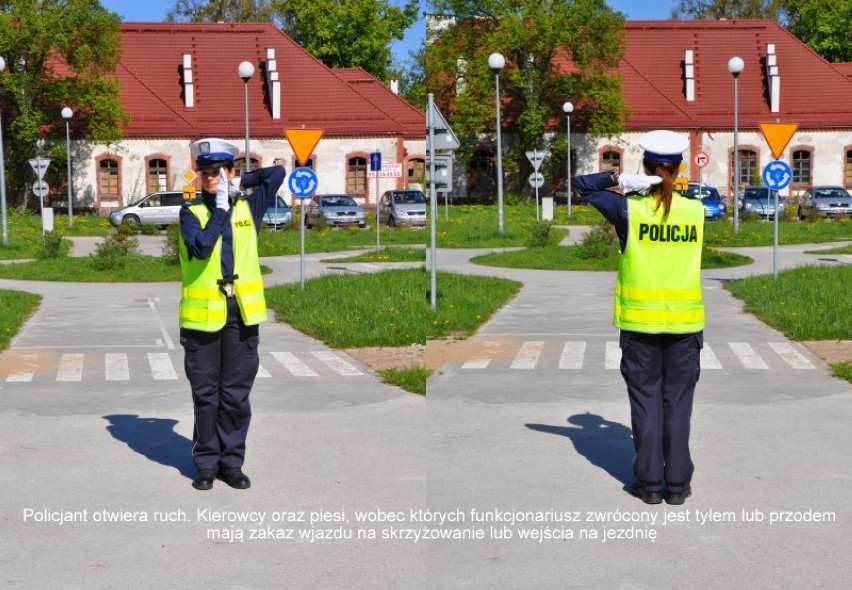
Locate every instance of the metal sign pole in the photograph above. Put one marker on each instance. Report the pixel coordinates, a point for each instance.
(775, 247)
(378, 244)
(433, 204)
(302, 249)
(535, 157)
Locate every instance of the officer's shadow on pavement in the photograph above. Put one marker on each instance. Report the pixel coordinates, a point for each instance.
(605, 444)
(154, 438)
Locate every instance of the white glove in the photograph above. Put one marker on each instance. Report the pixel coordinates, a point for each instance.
(222, 189)
(637, 182)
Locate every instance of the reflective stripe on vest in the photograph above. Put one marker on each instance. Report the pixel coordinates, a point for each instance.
(658, 289)
(203, 306)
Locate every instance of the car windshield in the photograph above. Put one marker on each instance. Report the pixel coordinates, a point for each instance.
(758, 194)
(707, 193)
(830, 193)
(409, 198)
(337, 201)
(279, 203)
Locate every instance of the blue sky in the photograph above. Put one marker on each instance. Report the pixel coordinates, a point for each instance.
(155, 10)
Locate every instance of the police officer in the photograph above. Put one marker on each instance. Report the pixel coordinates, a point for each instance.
(222, 303)
(658, 308)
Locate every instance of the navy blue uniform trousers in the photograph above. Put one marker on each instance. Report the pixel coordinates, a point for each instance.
(661, 371)
(221, 367)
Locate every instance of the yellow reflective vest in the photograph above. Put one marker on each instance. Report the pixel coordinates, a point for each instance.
(203, 305)
(658, 290)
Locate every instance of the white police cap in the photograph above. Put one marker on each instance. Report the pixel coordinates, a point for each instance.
(663, 146)
(212, 151)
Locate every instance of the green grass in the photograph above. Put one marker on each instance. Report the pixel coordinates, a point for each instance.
(475, 226)
(286, 242)
(138, 269)
(15, 308)
(25, 234)
(389, 308)
(805, 303)
(385, 255)
(838, 250)
(571, 258)
(842, 370)
(758, 233)
(411, 379)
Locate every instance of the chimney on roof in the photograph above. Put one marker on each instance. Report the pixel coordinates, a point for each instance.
(273, 83)
(773, 79)
(394, 85)
(689, 74)
(188, 84)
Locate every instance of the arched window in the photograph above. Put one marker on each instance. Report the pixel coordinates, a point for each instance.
(802, 166)
(416, 170)
(240, 165)
(158, 176)
(356, 175)
(749, 174)
(611, 161)
(108, 178)
(847, 175)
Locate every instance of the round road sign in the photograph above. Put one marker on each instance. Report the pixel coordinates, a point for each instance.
(40, 189)
(701, 159)
(536, 180)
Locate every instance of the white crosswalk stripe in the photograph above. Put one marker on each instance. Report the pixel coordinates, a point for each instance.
(70, 368)
(709, 360)
(527, 357)
(613, 356)
(25, 371)
(262, 373)
(572, 355)
(116, 367)
(747, 355)
(791, 356)
(161, 365)
(292, 363)
(476, 363)
(336, 364)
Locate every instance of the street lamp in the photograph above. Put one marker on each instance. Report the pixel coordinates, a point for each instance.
(568, 108)
(735, 67)
(67, 114)
(496, 62)
(5, 230)
(246, 71)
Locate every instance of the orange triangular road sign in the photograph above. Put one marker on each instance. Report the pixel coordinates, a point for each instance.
(778, 135)
(303, 142)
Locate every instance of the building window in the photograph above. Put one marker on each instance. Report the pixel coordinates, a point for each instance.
(611, 161)
(848, 169)
(801, 167)
(416, 170)
(749, 173)
(108, 177)
(356, 175)
(240, 166)
(158, 176)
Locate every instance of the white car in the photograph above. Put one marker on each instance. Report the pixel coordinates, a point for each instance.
(161, 208)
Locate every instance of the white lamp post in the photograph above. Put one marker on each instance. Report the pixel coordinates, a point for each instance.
(67, 114)
(496, 62)
(735, 67)
(568, 108)
(246, 71)
(5, 230)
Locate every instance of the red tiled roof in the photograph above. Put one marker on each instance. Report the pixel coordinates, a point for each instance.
(814, 93)
(382, 96)
(311, 94)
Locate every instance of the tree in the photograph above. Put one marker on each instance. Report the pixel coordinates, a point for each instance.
(412, 78)
(219, 10)
(58, 53)
(534, 37)
(730, 9)
(347, 33)
(824, 26)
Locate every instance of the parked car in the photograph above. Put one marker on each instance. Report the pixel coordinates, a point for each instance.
(760, 200)
(278, 215)
(337, 210)
(827, 201)
(403, 207)
(161, 208)
(714, 203)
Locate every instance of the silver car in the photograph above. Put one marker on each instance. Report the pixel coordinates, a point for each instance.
(827, 201)
(161, 208)
(760, 200)
(278, 215)
(336, 210)
(403, 207)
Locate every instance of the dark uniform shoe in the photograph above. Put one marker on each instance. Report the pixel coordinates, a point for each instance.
(235, 478)
(643, 493)
(678, 498)
(204, 479)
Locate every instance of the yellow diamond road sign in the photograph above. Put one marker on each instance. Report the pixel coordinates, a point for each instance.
(189, 176)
